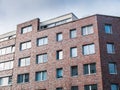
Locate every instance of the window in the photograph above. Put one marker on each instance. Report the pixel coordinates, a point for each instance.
(42, 58)
(5, 80)
(88, 49)
(59, 37)
(25, 45)
(6, 65)
(7, 50)
(23, 78)
(59, 88)
(26, 29)
(73, 33)
(112, 68)
(59, 55)
(110, 48)
(41, 76)
(74, 70)
(108, 28)
(74, 88)
(59, 73)
(114, 87)
(73, 52)
(24, 61)
(90, 68)
(86, 30)
(90, 87)
(42, 41)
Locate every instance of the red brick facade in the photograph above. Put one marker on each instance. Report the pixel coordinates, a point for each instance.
(102, 77)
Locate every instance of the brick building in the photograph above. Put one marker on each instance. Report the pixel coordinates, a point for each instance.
(64, 53)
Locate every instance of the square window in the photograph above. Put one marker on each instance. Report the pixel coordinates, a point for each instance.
(114, 87)
(88, 49)
(90, 68)
(110, 48)
(41, 75)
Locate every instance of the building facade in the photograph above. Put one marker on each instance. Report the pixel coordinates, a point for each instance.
(64, 53)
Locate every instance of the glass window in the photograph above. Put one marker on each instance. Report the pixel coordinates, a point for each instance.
(74, 88)
(59, 55)
(74, 70)
(24, 61)
(7, 65)
(25, 45)
(73, 33)
(41, 76)
(90, 87)
(108, 28)
(110, 48)
(22, 78)
(26, 29)
(42, 41)
(90, 68)
(59, 37)
(59, 88)
(114, 87)
(73, 52)
(112, 68)
(42, 58)
(88, 49)
(86, 30)
(5, 80)
(59, 73)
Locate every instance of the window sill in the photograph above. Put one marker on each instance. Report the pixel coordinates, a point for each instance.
(23, 83)
(90, 74)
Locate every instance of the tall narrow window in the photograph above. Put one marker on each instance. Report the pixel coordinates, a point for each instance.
(110, 48)
(74, 70)
(112, 68)
(26, 29)
(90, 68)
(90, 87)
(41, 76)
(42, 41)
(59, 73)
(42, 58)
(73, 33)
(86, 30)
(22, 78)
(108, 28)
(114, 87)
(73, 52)
(25, 45)
(24, 61)
(88, 49)
(59, 37)
(59, 54)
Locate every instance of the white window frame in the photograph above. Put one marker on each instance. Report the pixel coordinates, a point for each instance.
(89, 49)
(110, 48)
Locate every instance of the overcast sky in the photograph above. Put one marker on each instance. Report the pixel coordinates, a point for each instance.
(13, 12)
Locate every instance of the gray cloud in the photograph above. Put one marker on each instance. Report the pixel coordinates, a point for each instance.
(13, 12)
